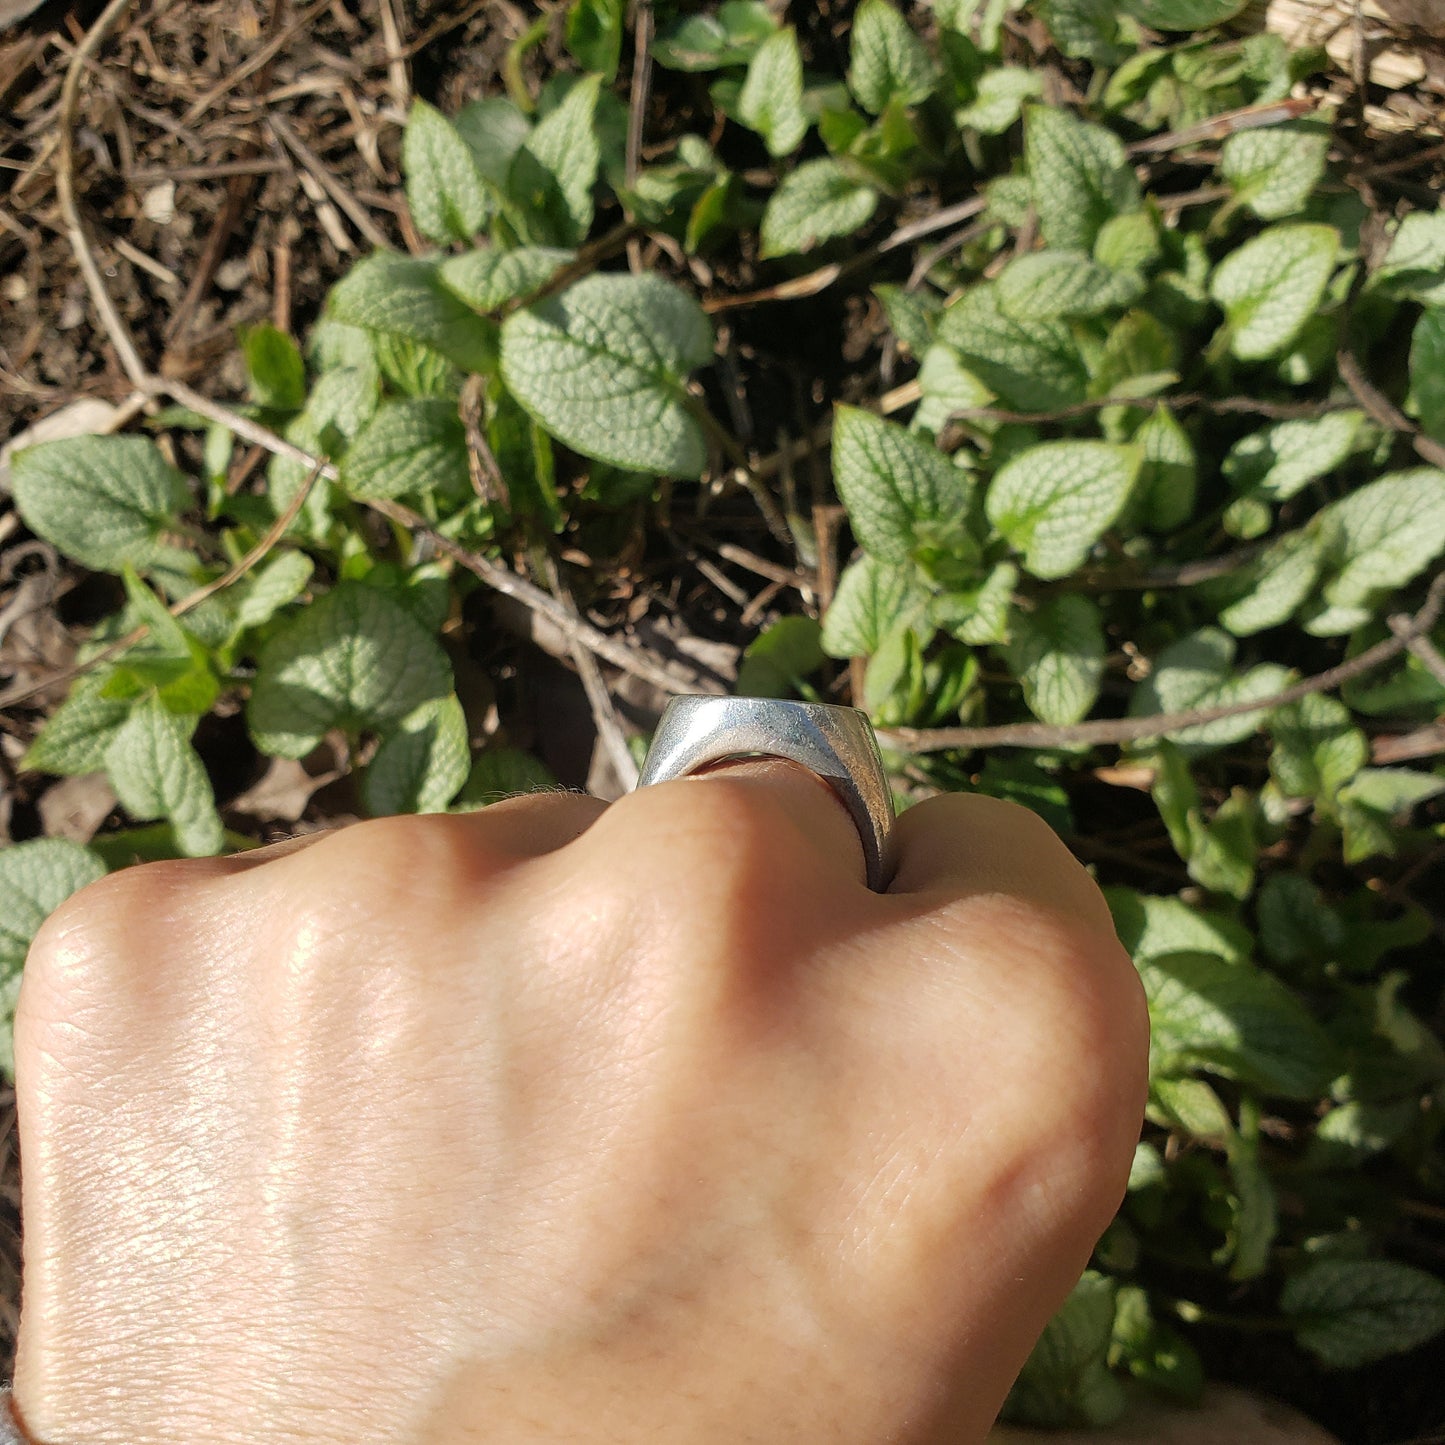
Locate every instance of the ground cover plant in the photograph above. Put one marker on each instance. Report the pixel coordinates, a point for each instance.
(1136, 418)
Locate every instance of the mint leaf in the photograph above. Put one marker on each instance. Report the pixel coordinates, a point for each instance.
(1414, 266)
(355, 659)
(275, 368)
(1165, 492)
(400, 296)
(280, 580)
(1080, 176)
(1066, 1379)
(1427, 370)
(1150, 926)
(594, 35)
(1383, 535)
(911, 315)
(553, 174)
(1272, 285)
(999, 99)
(156, 774)
(1031, 365)
(1279, 581)
(874, 599)
(1286, 457)
(444, 187)
(1235, 1020)
(1296, 925)
(1274, 169)
(978, 615)
(815, 203)
(886, 61)
(1371, 803)
(1048, 284)
(775, 662)
(771, 100)
(75, 736)
(899, 489)
(603, 366)
(709, 42)
(1057, 654)
(1183, 14)
(1199, 671)
(35, 879)
(410, 448)
(103, 501)
(947, 388)
(421, 765)
(1052, 502)
(1349, 1312)
(494, 130)
(489, 277)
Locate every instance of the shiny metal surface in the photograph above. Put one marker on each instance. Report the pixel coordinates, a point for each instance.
(836, 743)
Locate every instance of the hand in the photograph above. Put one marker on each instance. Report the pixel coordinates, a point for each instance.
(563, 1122)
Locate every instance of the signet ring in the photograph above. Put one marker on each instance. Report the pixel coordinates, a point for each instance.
(835, 743)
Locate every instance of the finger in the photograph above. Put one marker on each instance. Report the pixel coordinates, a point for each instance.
(964, 844)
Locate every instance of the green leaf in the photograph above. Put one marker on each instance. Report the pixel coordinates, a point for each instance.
(411, 448)
(603, 366)
(1254, 1212)
(1190, 1106)
(444, 187)
(494, 131)
(886, 61)
(1085, 29)
(1317, 747)
(1383, 535)
(771, 100)
(1274, 169)
(1029, 365)
(1372, 801)
(1296, 925)
(275, 368)
(1272, 285)
(1080, 176)
(1224, 850)
(1286, 457)
(400, 296)
(775, 662)
(75, 736)
(420, 766)
(103, 501)
(1052, 502)
(1352, 1312)
(979, 615)
(554, 172)
(709, 42)
(524, 456)
(1199, 671)
(594, 35)
(1414, 266)
(355, 659)
(1057, 654)
(1183, 14)
(35, 879)
(1351, 1133)
(1044, 285)
(1150, 926)
(999, 99)
(156, 774)
(815, 203)
(1279, 581)
(1427, 371)
(898, 488)
(501, 773)
(1129, 242)
(1066, 1380)
(1235, 1020)
(911, 315)
(489, 277)
(1168, 477)
(282, 579)
(947, 388)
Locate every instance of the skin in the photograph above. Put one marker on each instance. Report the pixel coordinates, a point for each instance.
(571, 1122)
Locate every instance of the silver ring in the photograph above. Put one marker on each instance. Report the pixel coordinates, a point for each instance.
(836, 743)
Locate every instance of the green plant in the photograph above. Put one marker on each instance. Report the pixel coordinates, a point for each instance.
(1138, 494)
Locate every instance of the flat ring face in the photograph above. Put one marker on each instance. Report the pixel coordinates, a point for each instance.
(836, 743)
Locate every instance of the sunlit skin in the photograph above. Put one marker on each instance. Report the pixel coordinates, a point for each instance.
(571, 1122)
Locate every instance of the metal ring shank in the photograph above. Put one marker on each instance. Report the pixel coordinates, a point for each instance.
(836, 743)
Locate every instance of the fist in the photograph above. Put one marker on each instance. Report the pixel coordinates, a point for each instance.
(571, 1122)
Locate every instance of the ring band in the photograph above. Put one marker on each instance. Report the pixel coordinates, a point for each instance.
(836, 743)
